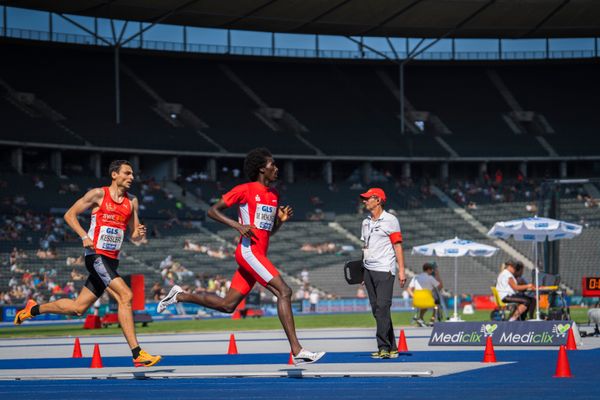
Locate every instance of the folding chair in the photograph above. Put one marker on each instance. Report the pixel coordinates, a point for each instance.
(423, 299)
(505, 310)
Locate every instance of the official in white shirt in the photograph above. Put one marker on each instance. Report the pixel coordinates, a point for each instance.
(383, 259)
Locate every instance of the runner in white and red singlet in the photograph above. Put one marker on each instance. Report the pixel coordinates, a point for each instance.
(260, 216)
(113, 211)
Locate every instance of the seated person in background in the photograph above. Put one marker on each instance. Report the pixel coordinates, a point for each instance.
(510, 291)
(75, 261)
(76, 275)
(219, 253)
(157, 291)
(429, 279)
(191, 246)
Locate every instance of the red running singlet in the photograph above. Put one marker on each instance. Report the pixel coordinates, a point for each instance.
(108, 225)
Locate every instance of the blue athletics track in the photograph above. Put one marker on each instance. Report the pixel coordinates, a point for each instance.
(197, 366)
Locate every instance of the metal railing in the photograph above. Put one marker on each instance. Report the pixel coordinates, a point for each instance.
(28, 34)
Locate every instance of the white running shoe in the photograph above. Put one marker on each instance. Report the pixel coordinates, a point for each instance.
(169, 299)
(307, 357)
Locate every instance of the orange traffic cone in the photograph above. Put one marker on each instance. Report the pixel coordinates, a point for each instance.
(96, 358)
(402, 342)
(571, 345)
(232, 346)
(562, 365)
(489, 356)
(76, 349)
(291, 360)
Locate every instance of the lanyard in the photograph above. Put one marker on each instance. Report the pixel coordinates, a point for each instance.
(368, 238)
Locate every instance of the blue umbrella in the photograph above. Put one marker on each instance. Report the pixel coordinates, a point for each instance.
(455, 248)
(535, 229)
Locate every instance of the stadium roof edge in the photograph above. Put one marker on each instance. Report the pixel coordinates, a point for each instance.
(101, 149)
(392, 18)
(307, 60)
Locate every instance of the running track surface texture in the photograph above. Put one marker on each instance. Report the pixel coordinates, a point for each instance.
(346, 372)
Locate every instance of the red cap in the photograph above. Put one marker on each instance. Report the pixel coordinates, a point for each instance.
(374, 192)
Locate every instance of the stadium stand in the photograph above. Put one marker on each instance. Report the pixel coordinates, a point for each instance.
(183, 102)
(79, 84)
(226, 105)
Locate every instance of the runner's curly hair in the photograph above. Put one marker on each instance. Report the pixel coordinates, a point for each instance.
(255, 160)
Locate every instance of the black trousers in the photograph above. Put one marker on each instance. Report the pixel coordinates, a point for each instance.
(521, 298)
(380, 287)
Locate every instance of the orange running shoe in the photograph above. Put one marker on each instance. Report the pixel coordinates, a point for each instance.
(145, 360)
(25, 313)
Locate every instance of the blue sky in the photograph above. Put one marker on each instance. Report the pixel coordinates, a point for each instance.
(37, 20)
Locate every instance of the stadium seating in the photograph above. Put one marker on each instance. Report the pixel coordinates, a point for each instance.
(342, 105)
(79, 83)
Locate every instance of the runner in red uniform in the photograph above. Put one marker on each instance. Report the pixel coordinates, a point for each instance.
(113, 210)
(260, 216)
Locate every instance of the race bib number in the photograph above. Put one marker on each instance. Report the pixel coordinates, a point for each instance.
(110, 238)
(264, 217)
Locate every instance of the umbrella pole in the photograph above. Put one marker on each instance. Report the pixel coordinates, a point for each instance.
(537, 289)
(455, 317)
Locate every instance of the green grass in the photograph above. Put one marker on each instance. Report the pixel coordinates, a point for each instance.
(361, 320)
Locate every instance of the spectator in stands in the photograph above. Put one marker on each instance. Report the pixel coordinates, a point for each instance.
(314, 299)
(590, 202)
(383, 259)
(75, 261)
(46, 254)
(221, 253)
(304, 276)
(429, 279)
(583, 222)
(181, 271)
(188, 245)
(531, 208)
(38, 183)
(315, 201)
(317, 215)
(157, 291)
(76, 275)
(510, 291)
(20, 200)
(14, 268)
(319, 248)
(299, 294)
(69, 289)
(165, 265)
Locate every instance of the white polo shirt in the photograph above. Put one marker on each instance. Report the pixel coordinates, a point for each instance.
(378, 237)
(502, 285)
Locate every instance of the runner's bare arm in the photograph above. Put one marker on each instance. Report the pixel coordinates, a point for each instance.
(284, 213)
(138, 231)
(215, 213)
(91, 199)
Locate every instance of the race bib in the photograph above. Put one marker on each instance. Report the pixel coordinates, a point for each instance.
(110, 238)
(264, 216)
